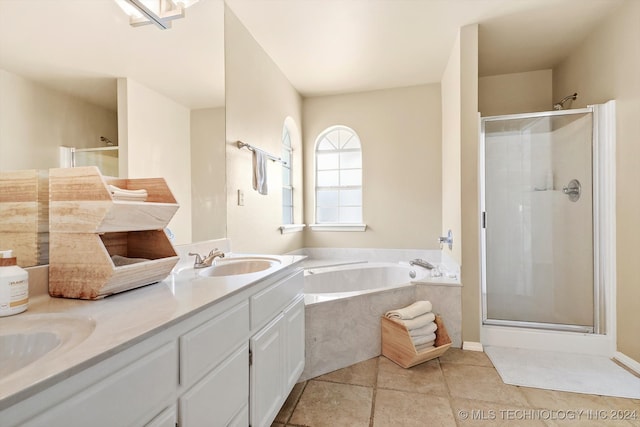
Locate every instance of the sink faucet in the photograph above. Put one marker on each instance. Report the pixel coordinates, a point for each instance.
(208, 260)
(422, 263)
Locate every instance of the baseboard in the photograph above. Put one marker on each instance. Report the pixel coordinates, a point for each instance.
(472, 346)
(628, 362)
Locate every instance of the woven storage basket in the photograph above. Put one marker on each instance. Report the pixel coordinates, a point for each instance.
(398, 346)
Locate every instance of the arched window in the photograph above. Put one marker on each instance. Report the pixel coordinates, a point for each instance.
(287, 177)
(338, 177)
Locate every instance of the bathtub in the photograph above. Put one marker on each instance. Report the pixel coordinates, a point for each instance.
(343, 307)
(328, 283)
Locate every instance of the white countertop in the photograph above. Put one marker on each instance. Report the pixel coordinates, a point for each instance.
(122, 320)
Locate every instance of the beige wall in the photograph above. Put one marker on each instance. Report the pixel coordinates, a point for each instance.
(399, 130)
(516, 93)
(460, 206)
(470, 220)
(607, 66)
(208, 174)
(154, 136)
(451, 131)
(259, 99)
(35, 121)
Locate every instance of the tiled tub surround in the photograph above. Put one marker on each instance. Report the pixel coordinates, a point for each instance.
(125, 319)
(341, 331)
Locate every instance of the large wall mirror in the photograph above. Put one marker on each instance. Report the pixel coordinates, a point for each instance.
(77, 74)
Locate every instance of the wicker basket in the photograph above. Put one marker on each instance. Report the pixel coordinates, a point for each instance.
(398, 346)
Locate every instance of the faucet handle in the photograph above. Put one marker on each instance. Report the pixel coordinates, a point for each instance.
(198, 257)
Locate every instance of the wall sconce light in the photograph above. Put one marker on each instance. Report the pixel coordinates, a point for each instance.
(157, 12)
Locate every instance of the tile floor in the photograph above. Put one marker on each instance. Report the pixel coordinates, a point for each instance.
(461, 388)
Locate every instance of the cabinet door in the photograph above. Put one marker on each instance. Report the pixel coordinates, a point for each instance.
(294, 333)
(267, 372)
(220, 395)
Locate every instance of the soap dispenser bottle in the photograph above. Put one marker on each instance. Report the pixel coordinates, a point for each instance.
(14, 285)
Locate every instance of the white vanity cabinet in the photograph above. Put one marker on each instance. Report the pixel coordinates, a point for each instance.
(128, 389)
(221, 396)
(277, 349)
(294, 343)
(243, 363)
(214, 369)
(232, 363)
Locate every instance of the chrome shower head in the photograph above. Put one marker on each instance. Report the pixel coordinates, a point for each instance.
(560, 105)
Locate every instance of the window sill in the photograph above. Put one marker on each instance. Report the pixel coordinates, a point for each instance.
(338, 227)
(291, 228)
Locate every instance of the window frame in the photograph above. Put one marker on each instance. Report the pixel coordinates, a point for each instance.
(287, 168)
(341, 148)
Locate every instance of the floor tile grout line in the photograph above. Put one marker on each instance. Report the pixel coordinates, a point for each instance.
(295, 404)
(526, 404)
(375, 392)
(449, 396)
(340, 383)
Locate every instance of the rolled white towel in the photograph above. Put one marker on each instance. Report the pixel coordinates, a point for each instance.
(128, 195)
(425, 330)
(426, 346)
(419, 321)
(414, 310)
(423, 339)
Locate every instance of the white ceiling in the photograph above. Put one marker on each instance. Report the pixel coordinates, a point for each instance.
(322, 46)
(333, 46)
(81, 46)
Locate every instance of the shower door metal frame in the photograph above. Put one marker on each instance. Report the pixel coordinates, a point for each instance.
(598, 302)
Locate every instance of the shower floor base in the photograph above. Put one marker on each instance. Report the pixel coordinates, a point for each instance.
(548, 340)
(562, 371)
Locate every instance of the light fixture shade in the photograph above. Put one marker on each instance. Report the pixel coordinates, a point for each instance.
(129, 9)
(158, 12)
(184, 3)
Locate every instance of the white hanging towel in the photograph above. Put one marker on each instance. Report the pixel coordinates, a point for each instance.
(260, 172)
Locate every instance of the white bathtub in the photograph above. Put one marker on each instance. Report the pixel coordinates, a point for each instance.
(343, 306)
(334, 282)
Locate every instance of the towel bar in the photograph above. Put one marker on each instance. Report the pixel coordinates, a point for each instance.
(250, 147)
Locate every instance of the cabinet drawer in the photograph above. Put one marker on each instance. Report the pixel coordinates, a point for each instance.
(219, 396)
(166, 418)
(266, 304)
(241, 419)
(207, 345)
(128, 397)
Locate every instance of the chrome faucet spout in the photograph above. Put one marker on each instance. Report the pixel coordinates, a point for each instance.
(207, 261)
(422, 263)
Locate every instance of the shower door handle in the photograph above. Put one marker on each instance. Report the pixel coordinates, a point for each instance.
(573, 190)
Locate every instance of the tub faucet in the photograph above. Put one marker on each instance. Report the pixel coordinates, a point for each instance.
(422, 263)
(208, 260)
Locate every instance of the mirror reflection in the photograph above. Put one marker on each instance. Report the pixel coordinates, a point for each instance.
(77, 74)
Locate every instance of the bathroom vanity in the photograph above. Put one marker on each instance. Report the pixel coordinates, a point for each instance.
(193, 350)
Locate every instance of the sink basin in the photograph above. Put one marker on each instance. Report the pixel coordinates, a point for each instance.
(238, 266)
(27, 338)
(19, 350)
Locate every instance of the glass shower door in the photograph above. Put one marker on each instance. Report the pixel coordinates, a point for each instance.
(538, 221)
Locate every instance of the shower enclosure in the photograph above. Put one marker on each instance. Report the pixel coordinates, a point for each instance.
(543, 203)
